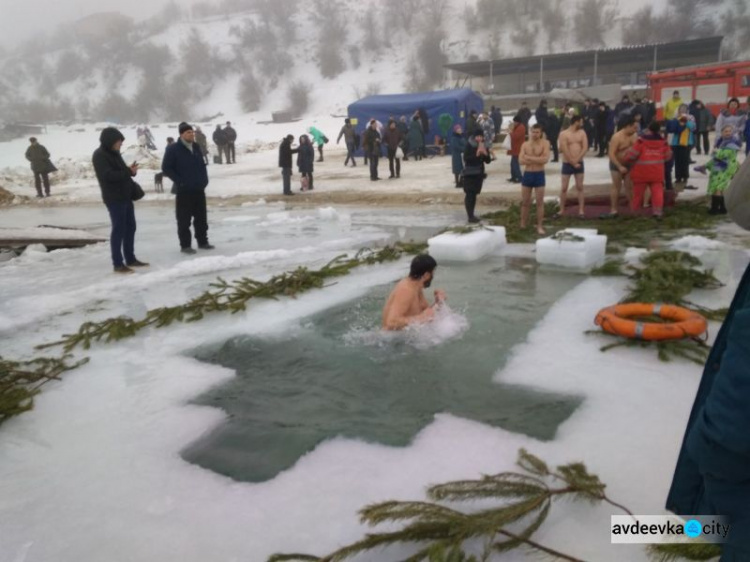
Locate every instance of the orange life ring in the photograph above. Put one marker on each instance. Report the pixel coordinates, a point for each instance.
(684, 323)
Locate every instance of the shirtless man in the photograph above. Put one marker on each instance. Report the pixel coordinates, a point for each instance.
(618, 147)
(407, 304)
(574, 145)
(534, 155)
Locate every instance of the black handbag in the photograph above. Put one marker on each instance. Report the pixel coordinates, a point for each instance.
(138, 192)
(472, 171)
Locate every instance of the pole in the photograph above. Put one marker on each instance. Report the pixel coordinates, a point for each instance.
(656, 52)
(541, 75)
(596, 66)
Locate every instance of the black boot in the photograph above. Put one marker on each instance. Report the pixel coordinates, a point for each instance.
(714, 210)
(722, 208)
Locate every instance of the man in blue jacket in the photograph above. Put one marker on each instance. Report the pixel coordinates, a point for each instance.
(184, 164)
(713, 470)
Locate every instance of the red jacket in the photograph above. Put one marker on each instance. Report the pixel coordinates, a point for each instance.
(517, 138)
(648, 156)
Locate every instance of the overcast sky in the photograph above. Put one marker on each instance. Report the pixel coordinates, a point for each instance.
(22, 18)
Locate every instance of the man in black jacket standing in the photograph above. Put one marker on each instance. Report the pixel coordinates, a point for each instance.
(40, 165)
(231, 136)
(220, 140)
(184, 164)
(118, 189)
(285, 163)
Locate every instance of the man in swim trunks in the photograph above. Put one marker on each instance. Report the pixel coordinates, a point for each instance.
(618, 147)
(407, 304)
(534, 155)
(574, 145)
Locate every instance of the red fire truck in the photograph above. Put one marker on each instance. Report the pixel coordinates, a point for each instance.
(713, 84)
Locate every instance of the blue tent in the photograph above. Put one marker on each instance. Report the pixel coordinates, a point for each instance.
(458, 103)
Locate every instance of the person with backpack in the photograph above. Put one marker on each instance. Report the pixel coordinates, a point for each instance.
(320, 139)
(349, 134)
(305, 162)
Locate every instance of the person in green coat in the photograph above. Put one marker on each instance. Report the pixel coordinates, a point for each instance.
(416, 138)
(320, 139)
(721, 169)
(40, 165)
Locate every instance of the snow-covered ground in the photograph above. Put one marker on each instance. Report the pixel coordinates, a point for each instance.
(256, 173)
(94, 472)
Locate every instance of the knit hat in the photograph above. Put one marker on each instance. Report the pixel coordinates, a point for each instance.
(182, 127)
(456, 128)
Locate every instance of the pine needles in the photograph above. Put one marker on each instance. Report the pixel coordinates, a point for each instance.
(21, 381)
(524, 501)
(691, 551)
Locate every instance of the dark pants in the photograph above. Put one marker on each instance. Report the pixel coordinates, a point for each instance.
(603, 143)
(122, 237)
(39, 178)
(286, 179)
(698, 136)
(320, 152)
(395, 171)
(668, 175)
(350, 154)
(374, 157)
(681, 163)
(231, 154)
(191, 207)
(555, 149)
(515, 169)
(472, 188)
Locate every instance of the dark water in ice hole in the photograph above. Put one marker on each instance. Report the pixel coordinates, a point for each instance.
(290, 394)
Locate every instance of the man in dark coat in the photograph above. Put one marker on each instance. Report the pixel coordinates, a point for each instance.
(601, 129)
(371, 143)
(349, 134)
(231, 137)
(554, 124)
(118, 189)
(40, 165)
(305, 160)
(220, 140)
(285, 163)
(624, 106)
(525, 114)
(712, 476)
(392, 137)
(184, 164)
(542, 116)
(497, 118)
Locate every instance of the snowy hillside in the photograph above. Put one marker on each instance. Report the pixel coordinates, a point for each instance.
(260, 56)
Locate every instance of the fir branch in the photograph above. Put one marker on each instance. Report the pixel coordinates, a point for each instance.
(690, 551)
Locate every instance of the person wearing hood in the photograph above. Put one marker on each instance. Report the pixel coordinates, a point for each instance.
(305, 161)
(732, 116)
(392, 139)
(476, 156)
(320, 139)
(231, 137)
(349, 135)
(41, 165)
(712, 475)
(416, 138)
(646, 159)
(119, 190)
(721, 168)
(285, 163)
(184, 164)
(457, 145)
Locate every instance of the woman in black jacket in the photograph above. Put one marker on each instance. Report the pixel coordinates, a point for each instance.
(118, 191)
(476, 156)
(305, 160)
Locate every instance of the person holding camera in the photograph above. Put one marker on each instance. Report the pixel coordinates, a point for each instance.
(119, 190)
(683, 139)
(476, 156)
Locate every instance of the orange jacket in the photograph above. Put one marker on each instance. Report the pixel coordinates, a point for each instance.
(517, 138)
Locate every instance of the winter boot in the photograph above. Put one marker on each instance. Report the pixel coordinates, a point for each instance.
(722, 207)
(714, 210)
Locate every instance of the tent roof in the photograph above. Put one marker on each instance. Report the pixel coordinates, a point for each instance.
(391, 100)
